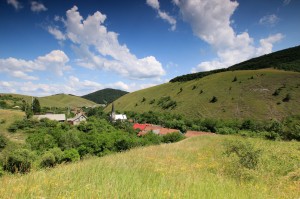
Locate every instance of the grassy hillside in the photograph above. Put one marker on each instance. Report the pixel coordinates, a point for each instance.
(194, 168)
(250, 96)
(105, 96)
(287, 59)
(59, 100)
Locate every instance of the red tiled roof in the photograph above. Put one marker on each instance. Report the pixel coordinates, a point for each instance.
(139, 126)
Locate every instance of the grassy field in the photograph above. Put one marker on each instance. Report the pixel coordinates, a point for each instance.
(194, 168)
(8, 117)
(59, 100)
(248, 97)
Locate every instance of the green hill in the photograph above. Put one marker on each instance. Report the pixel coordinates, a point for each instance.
(58, 100)
(193, 168)
(287, 59)
(256, 94)
(105, 96)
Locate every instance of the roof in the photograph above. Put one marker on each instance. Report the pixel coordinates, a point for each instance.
(77, 117)
(157, 130)
(196, 133)
(140, 126)
(57, 117)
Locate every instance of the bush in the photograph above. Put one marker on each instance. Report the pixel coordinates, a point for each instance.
(151, 138)
(41, 141)
(48, 160)
(71, 155)
(247, 154)
(226, 131)
(213, 99)
(287, 98)
(19, 160)
(172, 137)
(3, 142)
(1, 171)
(234, 79)
(58, 154)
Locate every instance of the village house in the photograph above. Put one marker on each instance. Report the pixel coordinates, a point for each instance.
(56, 117)
(80, 117)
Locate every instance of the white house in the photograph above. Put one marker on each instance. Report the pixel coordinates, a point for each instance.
(77, 119)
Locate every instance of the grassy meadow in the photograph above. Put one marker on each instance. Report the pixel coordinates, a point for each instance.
(193, 168)
(250, 96)
(8, 117)
(59, 100)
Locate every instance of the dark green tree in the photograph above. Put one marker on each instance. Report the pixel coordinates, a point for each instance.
(36, 107)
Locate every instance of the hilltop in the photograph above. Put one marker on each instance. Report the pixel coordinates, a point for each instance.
(58, 100)
(256, 94)
(105, 96)
(287, 59)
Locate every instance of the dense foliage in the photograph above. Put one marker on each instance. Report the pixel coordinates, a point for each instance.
(105, 96)
(287, 129)
(288, 59)
(49, 143)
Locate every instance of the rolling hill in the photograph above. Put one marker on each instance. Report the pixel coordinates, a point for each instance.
(58, 100)
(105, 96)
(287, 59)
(256, 94)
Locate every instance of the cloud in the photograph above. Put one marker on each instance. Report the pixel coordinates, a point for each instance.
(98, 48)
(286, 2)
(56, 33)
(269, 20)
(163, 15)
(210, 21)
(37, 7)
(54, 61)
(17, 5)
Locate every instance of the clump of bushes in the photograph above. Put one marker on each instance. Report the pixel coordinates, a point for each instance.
(172, 137)
(248, 156)
(166, 103)
(19, 160)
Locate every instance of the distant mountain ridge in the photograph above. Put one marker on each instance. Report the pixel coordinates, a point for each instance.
(57, 100)
(105, 96)
(287, 59)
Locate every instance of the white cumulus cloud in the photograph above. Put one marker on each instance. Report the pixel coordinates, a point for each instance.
(15, 3)
(98, 48)
(55, 61)
(210, 21)
(269, 20)
(163, 15)
(37, 7)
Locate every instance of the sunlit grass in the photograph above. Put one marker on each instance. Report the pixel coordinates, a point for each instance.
(193, 168)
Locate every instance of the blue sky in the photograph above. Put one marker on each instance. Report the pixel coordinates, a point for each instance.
(77, 47)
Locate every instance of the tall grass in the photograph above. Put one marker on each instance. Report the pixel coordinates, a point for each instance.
(194, 168)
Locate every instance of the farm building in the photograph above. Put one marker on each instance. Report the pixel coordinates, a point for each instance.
(56, 117)
(77, 119)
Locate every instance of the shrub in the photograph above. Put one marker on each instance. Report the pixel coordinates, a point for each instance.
(151, 138)
(194, 87)
(71, 155)
(19, 160)
(152, 101)
(234, 79)
(172, 137)
(3, 142)
(48, 160)
(287, 98)
(276, 92)
(226, 131)
(247, 154)
(41, 141)
(58, 154)
(1, 171)
(144, 99)
(213, 99)
(12, 128)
